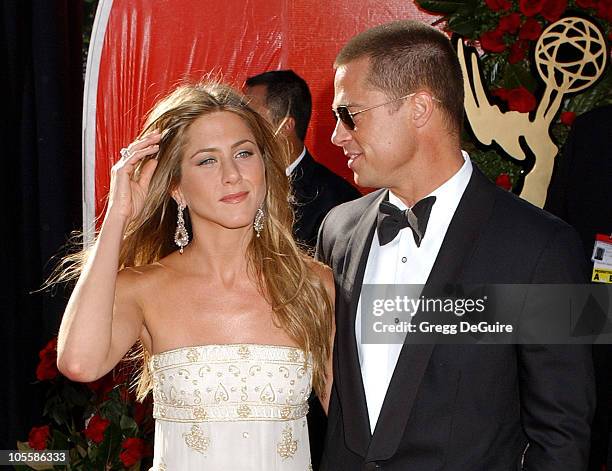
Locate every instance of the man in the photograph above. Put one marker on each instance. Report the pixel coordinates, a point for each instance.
(399, 103)
(284, 99)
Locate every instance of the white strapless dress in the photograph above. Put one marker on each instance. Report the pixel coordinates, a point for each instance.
(231, 408)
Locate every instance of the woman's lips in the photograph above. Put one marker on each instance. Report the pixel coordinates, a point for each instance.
(234, 198)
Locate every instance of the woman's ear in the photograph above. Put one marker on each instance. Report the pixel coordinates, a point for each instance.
(177, 195)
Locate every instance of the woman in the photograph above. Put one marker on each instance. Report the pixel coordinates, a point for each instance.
(235, 322)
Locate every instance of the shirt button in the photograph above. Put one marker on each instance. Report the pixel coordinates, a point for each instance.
(404, 259)
(245, 434)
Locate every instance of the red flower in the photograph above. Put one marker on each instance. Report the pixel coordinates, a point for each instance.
(47, 367)
(134, 449)
(518, 51)
(493, 41)
(568, 117)
(497, 5)
(95, 428)
(509, 23)
(530, 7)
(503, 181)
(553, 9)
(531, 30)
(520, 99)
(500, 93)
(604, 10)
(37, 439)
(586, 3)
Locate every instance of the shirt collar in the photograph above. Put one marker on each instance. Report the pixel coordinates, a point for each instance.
(289, 170)
(451, 190)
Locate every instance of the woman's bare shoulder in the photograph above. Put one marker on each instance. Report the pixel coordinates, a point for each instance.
(145, 277)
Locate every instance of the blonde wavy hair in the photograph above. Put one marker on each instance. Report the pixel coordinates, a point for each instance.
(285, 275)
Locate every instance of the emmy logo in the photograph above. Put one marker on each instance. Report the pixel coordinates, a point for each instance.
(570, 56)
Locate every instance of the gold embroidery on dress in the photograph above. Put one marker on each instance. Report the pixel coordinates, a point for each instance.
(184, 372)
(243, 411)
(221, 394)
(287, 446)
(244, 352)
(193, 355)
(285, 412)
(293, 355)
(199, 413)
(197, 440)
(267, 395)
(233, 369)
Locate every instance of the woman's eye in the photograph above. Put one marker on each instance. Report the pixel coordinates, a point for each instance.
(244, 154)
(208, 161)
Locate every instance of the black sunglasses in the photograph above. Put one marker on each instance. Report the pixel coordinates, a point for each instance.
(343, 114)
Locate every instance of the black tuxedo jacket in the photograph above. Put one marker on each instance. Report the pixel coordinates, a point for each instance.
(316, 190)
(462, 407)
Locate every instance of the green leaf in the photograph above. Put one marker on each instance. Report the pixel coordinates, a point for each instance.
(593, 97)
(60, 440)
(442, 6)
(463, 25)
(515, 75)
(128, 425)
(491, 163)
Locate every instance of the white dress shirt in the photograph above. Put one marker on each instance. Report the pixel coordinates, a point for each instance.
(402, 262)
(289, 170)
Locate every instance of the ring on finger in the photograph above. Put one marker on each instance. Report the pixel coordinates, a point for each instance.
(125, 153)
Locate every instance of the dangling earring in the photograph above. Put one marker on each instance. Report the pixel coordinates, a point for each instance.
(258, 223)
(181, 237)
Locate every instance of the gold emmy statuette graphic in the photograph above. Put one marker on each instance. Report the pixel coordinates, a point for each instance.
(570, 56)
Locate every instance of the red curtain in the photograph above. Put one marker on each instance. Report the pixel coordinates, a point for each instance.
(145, 48)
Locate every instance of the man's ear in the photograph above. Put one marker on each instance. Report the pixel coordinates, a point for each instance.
(422, 109)
(286, 126)
(289, 124)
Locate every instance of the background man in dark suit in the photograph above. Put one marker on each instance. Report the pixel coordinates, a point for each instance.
(284, 99)
(399, 103)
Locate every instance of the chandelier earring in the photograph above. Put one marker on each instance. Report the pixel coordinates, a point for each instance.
(181, 237)
(258, 223)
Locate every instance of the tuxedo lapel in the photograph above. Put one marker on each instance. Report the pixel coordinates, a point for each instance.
(472, 213)
(350, 382)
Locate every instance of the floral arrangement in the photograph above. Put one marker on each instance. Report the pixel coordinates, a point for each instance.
(101, 424)
(506, 32)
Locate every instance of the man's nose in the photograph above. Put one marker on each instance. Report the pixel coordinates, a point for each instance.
(340, 135)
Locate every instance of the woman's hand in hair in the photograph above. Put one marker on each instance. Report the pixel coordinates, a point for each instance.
(130, 180)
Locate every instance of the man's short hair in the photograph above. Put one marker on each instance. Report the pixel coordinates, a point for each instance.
(406, 56)
(287, 95)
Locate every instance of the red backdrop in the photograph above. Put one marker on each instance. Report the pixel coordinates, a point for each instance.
(146, 47)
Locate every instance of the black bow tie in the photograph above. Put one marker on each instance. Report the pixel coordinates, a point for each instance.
(391, 220)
